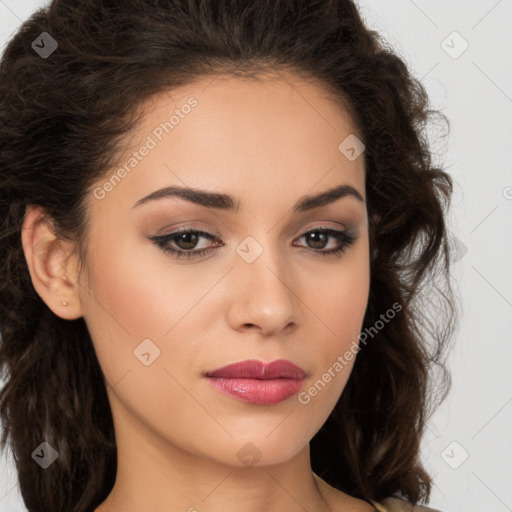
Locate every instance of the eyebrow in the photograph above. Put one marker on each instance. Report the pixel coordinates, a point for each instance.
(226, 202)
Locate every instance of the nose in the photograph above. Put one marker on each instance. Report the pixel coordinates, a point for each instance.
(264, 295)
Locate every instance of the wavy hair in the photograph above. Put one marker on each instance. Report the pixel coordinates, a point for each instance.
(63, 119)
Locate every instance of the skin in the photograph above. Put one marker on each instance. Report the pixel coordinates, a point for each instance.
(267, 143)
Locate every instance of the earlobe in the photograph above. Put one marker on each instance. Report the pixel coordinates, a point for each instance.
(52, 264)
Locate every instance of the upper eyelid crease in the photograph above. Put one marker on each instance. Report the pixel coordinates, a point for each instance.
(332, 232)
(346, 237)
(213, 235)
(226, 202)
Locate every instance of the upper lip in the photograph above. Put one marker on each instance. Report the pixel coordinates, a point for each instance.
(254, 369)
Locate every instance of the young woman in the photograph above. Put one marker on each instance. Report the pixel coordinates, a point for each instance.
(222, 242)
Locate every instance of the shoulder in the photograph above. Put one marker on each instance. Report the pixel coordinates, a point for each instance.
(397, 505)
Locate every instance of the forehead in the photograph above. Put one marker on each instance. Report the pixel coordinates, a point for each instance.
(282, 98)
(276, 134)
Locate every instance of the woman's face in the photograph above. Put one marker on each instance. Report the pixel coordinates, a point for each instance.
(252, 285)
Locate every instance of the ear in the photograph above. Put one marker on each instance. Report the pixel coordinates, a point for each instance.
(53, 265)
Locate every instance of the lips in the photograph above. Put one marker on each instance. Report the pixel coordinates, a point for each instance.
(253, 369)
(256, 382)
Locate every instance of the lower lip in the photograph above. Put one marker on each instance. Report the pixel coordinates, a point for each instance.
(254, 391)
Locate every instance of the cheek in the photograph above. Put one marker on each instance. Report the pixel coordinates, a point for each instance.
(340, 300)
(339, 306)
(134, 295)
(122, 305)
(128, 293)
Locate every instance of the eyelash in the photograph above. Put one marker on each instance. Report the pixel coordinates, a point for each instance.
(346, 238)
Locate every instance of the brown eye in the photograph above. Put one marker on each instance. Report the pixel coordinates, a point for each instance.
(185, 241)
(318, 239)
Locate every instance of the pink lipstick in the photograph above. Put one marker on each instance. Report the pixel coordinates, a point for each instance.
(256, 382)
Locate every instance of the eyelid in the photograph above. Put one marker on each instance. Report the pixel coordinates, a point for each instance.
(344, 236)
(214, 234)
(167, 230)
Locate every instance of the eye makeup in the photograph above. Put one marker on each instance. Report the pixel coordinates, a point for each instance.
(170, 243)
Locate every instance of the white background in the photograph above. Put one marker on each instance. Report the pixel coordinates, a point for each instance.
(475, 91)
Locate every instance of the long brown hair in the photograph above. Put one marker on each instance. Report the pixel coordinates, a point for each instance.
(63, 116)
